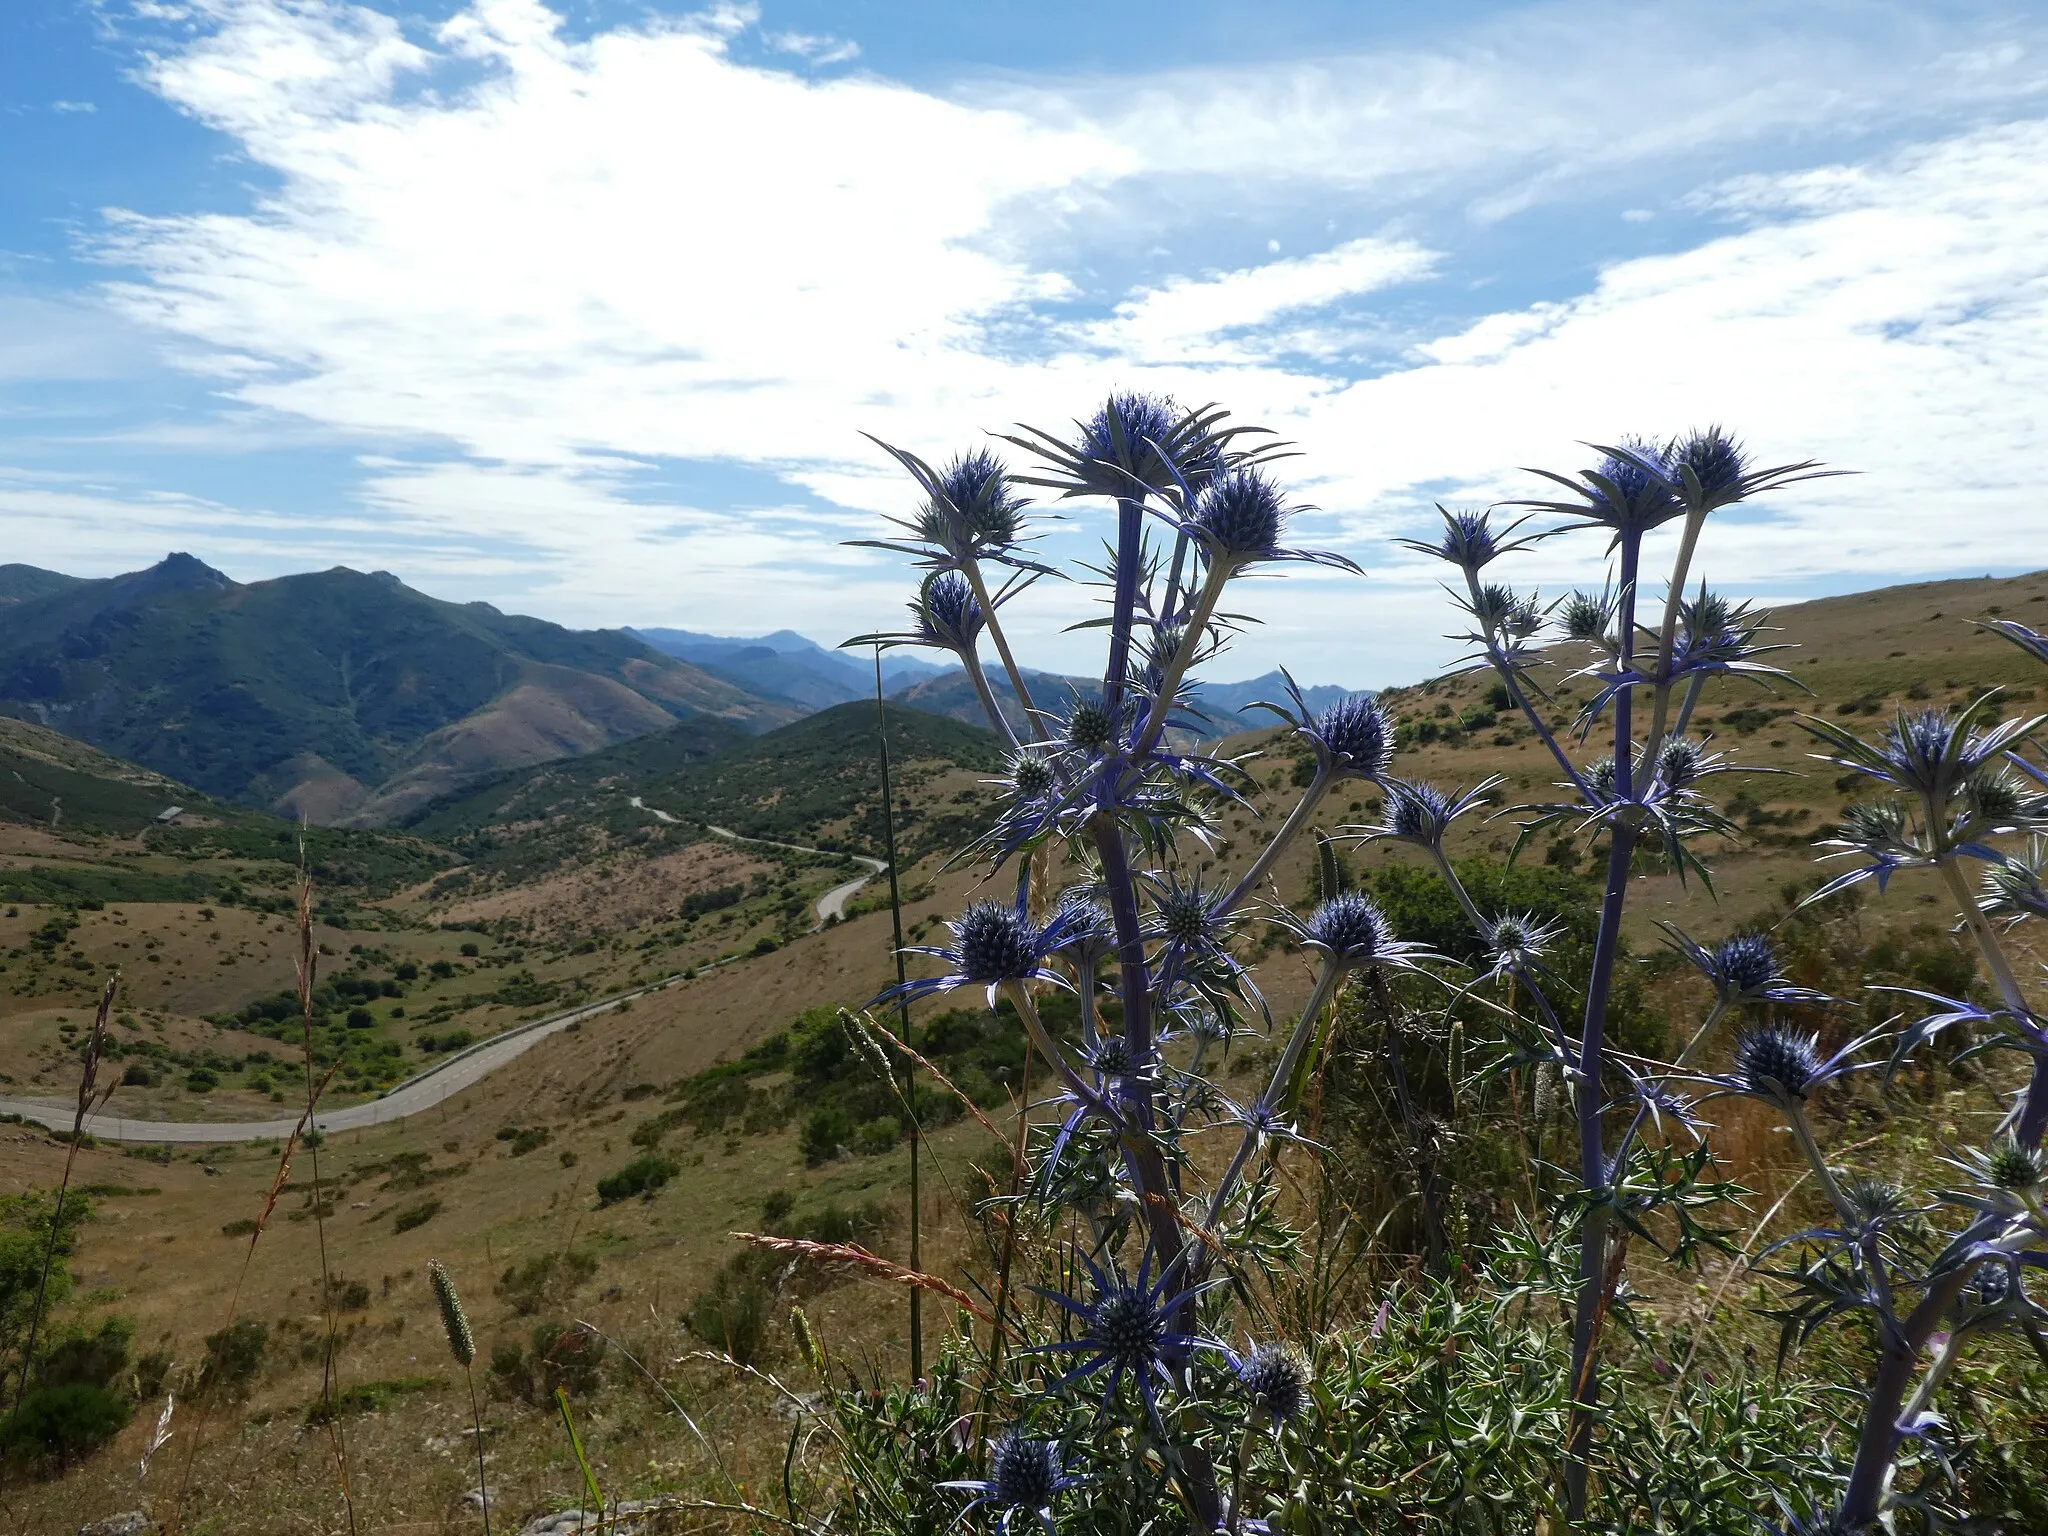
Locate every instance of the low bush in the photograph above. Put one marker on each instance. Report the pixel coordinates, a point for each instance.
(642, 1176)
(56, 1426)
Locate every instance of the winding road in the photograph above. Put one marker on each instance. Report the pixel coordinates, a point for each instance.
(830, 905)
(444, 1079)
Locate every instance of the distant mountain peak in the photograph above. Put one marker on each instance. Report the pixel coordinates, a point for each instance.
(178, 569)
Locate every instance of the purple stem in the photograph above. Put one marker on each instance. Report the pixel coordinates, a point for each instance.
(1593, 1169)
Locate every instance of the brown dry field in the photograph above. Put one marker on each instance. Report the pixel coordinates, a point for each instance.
(160, 1258)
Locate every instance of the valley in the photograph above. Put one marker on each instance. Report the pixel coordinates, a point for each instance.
(673, 921)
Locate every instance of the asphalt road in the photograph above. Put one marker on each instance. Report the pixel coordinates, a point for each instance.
(443, 1081)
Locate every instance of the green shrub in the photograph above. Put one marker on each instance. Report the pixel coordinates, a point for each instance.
(877, 1136)
(233, 1357)
(415, 1216)
(569, 1358)
(241, 1226)
(826, 1132)
(545, 1280)
(56, 1426)
(642, 1176)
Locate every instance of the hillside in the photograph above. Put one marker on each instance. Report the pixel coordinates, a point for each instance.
(333, 695)
(503, 1175)
(815, 782)
(789, 666)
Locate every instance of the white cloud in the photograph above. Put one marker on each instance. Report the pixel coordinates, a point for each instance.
(634, 249)
(1189, 319)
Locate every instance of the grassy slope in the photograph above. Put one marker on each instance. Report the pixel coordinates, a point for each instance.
(156, 1260)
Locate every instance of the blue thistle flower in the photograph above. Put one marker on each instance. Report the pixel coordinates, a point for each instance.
(1025, 1476)
(1470, 541)
(1275, 1379)
(1188, 916)
(1781, 1066)
(1585, 617)
(1713, 459)
(1086, 923)
(1240, 515)
(1132, 1325)
(979, 509)
(1419, 813)
(1631, 491)
(1681, 761)
(1352, 931)
(993, 945)
(1743, 968)
(1030, 776)
(1352, 738)
(1516, 942)
(947, 612)
(1131, 432)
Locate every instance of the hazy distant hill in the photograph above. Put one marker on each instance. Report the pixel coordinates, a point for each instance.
(787, 665)
(1223, 708)
(343, 696)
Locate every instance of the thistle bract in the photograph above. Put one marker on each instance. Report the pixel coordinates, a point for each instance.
(1349, 928)
(1088, 727)
(1353, 734)
(1275, 1379)
(995, 943)
(2013, 1166)
(1241, 515)
(947, 612)
(1770, 1060)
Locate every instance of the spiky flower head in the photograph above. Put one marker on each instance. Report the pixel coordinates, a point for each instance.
(1188, 916)
(1350, 929)
(1275, 1379)
(454, 1321)
(1632, 488)
(1025, 1472)
(1996, 796)
(1601, 775)
(1470, 541)
(1030, 776)
(996, 943)
(2014, 1165)
(1131, 432)
(1025, 1476)
(1111, 1056)
(1871, 1198)
(1715, 461)
(1680, 761)
(1584, 617)
(1744, 965)
(1771, 1061)
(1131, 1324)
(1991, 1288)
(1088, 727)
(1085, 922)
(1874, 823)
(1241, 515)
(2013, 888)
(1352, 736)
(978, 509)
(1517, 941)
(947, 612)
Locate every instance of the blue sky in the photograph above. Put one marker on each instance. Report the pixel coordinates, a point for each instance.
(581, 308)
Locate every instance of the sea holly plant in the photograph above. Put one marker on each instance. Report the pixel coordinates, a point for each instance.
(1951, 792)
(1108, 817)
(1642, 788)
(1109, 827)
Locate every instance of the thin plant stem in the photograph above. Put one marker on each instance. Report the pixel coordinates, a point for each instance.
(88, 1072)
(476, 1419)
(908, 1088)
(1033, 726)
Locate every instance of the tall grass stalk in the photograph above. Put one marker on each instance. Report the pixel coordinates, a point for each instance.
(462, 1345)
(907, 1089)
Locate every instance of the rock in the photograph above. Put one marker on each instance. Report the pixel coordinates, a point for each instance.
(133, 1523)
(634, 1517)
